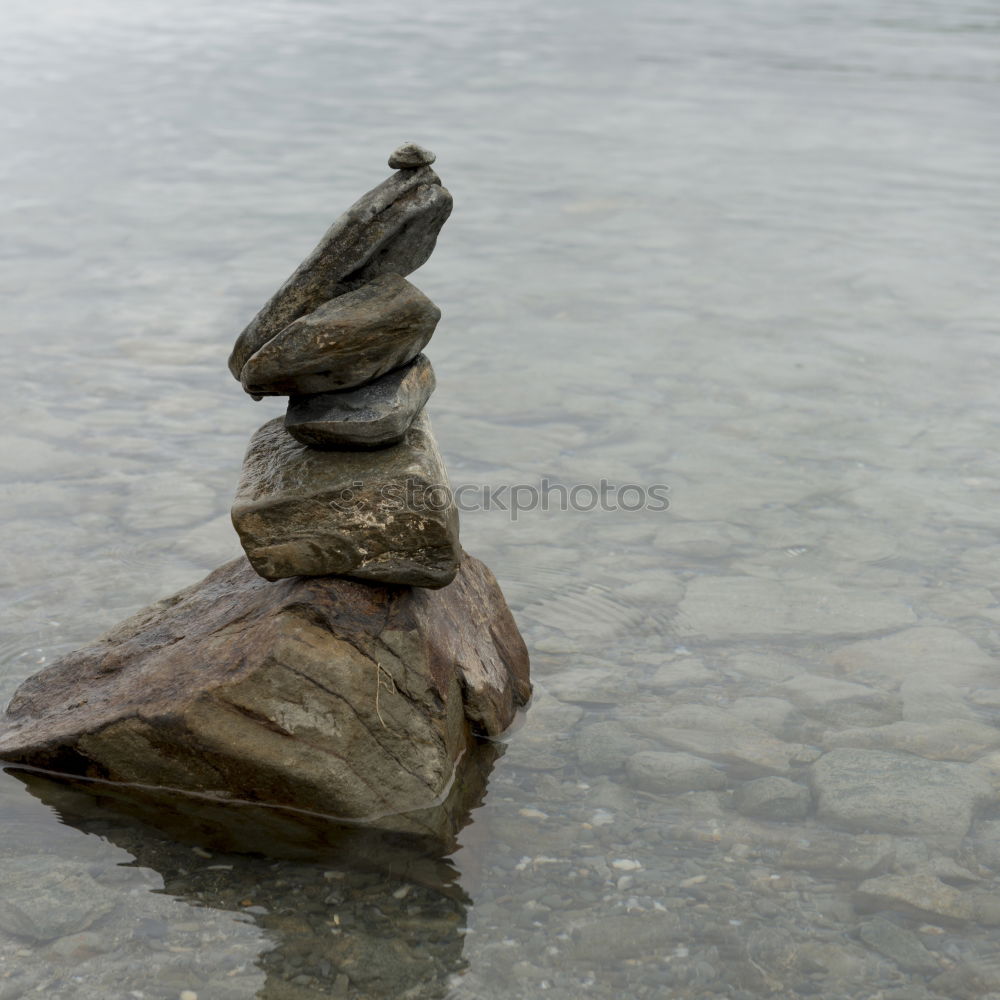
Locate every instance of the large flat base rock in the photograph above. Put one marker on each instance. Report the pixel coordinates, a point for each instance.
(384, 515)
(353, 701)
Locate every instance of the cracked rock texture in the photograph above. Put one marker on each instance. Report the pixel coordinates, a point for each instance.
(352, 700)
(380, 515)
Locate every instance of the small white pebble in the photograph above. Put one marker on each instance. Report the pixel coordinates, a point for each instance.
(188, 995)
(602, 817)
(694, 880)
(202, 853)
(402, 892)
(626, 864)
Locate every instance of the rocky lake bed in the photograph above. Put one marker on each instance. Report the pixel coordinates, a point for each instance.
(750, 260)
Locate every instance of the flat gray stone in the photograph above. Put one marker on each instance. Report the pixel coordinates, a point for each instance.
(590, 682)
(773, 797)
(668, 773)
(352, 700)
(985, 839)
(683, 671)
(949, 739)
(841, 854)
(926, 651)
(44, 898)
(838, 702)
(917, 895)
(930, 699)
(390, 230)
(384, 515)
(708, 731)
(898, 944)
(878, 791)
(409, 156)
(774, 715)
(603, 747)
(370, 416)
(721, 607)
(346, 342)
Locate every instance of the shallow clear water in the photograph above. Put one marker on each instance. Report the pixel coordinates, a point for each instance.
(747, 250)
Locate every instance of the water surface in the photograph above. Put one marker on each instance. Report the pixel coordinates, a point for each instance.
(748, 250)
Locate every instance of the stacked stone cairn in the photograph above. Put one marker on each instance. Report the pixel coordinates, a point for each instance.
(352, 482)
(348, 668)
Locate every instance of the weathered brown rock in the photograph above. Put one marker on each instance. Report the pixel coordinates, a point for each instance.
(351, 700)
(384, 515)
(370, 416)
(390, 230)
(346, 342)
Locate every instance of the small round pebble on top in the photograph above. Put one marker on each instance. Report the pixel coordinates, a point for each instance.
(409, 156)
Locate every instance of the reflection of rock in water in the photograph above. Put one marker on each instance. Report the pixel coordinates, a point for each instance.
(352, 912)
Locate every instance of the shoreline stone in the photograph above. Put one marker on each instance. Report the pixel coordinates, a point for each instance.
(321, 694)
(371, 416)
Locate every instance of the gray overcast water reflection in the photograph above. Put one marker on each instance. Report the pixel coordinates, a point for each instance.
(749, 250)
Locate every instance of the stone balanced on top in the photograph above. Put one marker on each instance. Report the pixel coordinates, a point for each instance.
(325, 491)
(347, 667)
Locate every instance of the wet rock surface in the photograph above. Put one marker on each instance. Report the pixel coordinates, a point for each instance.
(41, 903)
(673, 772)
(349, 700)
(372, 416)
(384, 515)
(902, 946)
(952, 739)
(773, 798)
(840, 702)
(711, 732)
(345, 342)
(410, 156)
(390, 230)
(874, 790)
